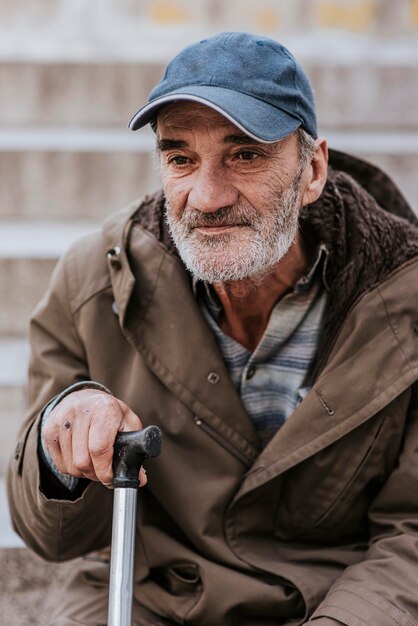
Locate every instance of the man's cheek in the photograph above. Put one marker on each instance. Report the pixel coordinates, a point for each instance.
(174, 212)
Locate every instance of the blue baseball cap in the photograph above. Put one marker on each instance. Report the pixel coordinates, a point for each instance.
(253, 81)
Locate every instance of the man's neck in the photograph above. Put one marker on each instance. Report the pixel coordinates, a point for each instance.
(247, 304)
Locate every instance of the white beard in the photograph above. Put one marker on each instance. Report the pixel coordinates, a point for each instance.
(251, 250)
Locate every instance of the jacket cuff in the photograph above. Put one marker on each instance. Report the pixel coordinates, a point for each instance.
(70, 482)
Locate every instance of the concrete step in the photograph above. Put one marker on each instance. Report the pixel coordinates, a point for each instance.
(72, 173)
(8, 538)
(78, 174)
(30, 587)
(14, 357)
(28, 253)
(395, 153)
(359, 82)
(131, 24)
(13, 407)
(79, 92)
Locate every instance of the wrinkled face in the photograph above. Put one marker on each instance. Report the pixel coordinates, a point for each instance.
(232, 203)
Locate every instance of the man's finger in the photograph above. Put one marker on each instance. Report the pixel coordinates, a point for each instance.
(65, 434)
(101, 438)
(81, 459)
(52, 446)
(143, 477)
(130, 420)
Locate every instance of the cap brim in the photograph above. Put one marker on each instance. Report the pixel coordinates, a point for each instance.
(256, 118)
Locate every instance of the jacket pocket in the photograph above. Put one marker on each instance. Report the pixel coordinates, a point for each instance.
(172, 589)
(182, 578)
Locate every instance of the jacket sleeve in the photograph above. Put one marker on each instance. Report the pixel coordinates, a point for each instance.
(56, 529)
(382, 589)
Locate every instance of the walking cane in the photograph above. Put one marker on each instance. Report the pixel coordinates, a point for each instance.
(130, 451)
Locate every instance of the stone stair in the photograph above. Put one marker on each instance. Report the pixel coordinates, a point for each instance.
(29, 586)
(67, 159)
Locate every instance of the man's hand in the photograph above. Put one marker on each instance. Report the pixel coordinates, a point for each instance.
(80, 431)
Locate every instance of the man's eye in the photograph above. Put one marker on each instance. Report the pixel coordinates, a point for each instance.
(247, 155)
(178, 160)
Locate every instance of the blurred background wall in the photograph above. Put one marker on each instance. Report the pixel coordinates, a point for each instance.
(72, 72)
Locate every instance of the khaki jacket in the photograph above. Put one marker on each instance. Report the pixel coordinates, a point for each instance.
(322, 525)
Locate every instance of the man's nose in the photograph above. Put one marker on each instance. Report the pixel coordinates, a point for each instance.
(211, 190)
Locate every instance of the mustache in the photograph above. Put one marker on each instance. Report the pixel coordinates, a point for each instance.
(233, 214)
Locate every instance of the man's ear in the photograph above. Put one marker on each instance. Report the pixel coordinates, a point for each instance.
(317, 169)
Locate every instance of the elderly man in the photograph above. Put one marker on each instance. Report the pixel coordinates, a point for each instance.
(262, 311)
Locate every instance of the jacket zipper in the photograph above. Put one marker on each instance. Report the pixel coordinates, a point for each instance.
(224, 442)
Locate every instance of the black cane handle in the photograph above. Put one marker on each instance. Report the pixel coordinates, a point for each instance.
(130, 451)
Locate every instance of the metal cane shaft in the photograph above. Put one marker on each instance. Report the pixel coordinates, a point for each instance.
(122, 557)
(131, 449)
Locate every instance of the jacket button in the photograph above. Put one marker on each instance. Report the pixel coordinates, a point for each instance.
(250, 372)
(213, 378)
(113, 258)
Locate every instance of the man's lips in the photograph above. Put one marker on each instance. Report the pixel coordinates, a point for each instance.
(220, 228)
